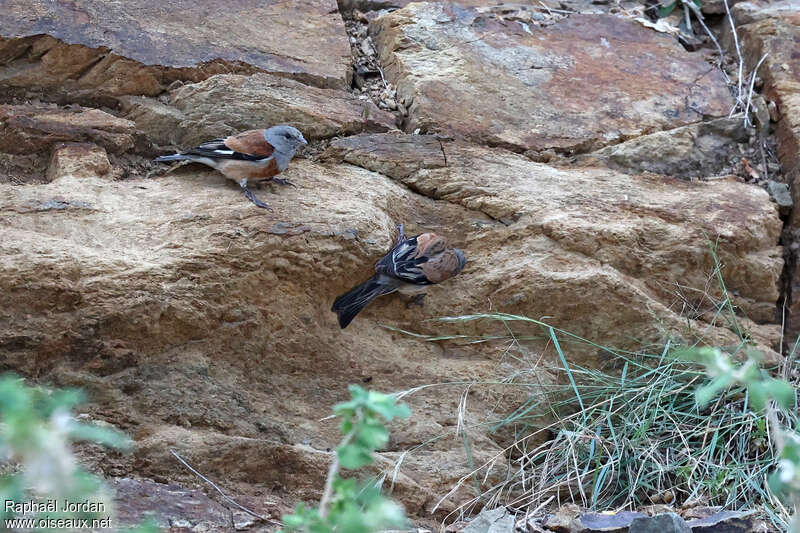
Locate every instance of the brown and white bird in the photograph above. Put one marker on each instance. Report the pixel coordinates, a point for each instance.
(253, 155)
(409, 267)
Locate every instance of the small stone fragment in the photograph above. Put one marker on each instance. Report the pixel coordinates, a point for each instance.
(663, 523)
(492, 521)
(80, 160)
(772, 107)
(609, 522)
(779, 192)
(760, 112)
(563, 520)
(725, 521)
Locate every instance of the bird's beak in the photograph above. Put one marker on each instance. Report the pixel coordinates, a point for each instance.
(303, 139)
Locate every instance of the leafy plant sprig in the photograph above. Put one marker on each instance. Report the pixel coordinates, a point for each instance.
(345, 505)
(37, 430)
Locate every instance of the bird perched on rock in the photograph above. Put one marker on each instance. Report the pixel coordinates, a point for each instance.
(409, 267)
(254, 155)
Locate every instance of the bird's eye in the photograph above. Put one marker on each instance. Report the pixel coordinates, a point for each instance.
(287, 135)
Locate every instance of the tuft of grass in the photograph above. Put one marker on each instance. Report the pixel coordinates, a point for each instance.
(630, 435)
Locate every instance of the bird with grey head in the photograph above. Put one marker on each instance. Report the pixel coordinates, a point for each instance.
(251, 156)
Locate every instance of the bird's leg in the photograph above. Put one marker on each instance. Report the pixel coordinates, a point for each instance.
(283, 181)
(252, 196)
(401, 235)
(418, 299)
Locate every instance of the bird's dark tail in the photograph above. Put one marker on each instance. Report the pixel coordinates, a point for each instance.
(349, 304)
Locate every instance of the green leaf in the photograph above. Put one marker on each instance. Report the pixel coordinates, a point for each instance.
(344, 490)
(775, 483)
(372, 436)
(346, 426)
(107, 436)
(388, 409)
(758, 395)
(385, 513)
(358, 393)
(353, 456)
(782, 392)
(351, 520)
(666, 10)
(697, 3)
(705, 394)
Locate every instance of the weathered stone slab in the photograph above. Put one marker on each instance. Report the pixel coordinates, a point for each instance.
(581, 83)
(96, 48)
(608, 522)
(226, 104)
(663, 523)
(30, 129)
(725, 522)
(694, 151)
(79, 160)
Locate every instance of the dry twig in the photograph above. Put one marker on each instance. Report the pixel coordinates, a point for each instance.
(219, 490)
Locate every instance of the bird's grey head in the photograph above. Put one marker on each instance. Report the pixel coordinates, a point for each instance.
(462, 261)
(285, 139)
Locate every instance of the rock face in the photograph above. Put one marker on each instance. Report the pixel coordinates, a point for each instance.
(694, 151)
(169, 506)
(97, 48)
(199, 323)
(33, 129)
(28, 133)
(631, 247)
(497, 81)
(774, 29)
(225, 104)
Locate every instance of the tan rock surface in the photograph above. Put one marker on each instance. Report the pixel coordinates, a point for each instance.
(80, 160)
(226, 104)
(774, 29)
(469, 73)
(34, 129)
(182, 34)
(146, 292)
(629, 233)
(174, 302)
(694, 151)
